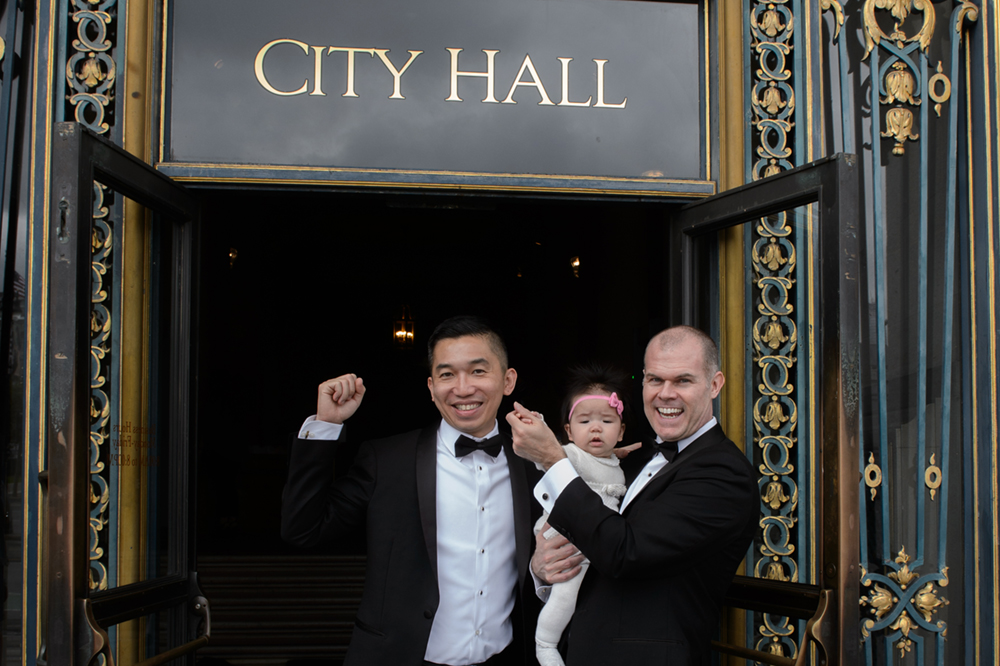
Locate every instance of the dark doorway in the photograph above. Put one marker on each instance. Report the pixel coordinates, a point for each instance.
(297, 288)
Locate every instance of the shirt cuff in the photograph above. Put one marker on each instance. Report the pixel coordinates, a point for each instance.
(313, 429)
(555, 480)
(541, 589)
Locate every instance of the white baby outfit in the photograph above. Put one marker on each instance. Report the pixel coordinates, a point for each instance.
(605, 477)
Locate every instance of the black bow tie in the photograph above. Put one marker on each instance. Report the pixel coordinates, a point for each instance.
(668, 449)
(466, 445)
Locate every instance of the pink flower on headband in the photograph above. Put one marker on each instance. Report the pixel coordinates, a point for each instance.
(612, 399)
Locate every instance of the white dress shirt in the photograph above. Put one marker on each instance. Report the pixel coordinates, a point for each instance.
(477, 567)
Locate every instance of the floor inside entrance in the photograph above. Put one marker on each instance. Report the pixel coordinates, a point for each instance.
(298, 288)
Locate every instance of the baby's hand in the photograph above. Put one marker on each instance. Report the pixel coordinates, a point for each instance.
(622, 451)
(524, 418)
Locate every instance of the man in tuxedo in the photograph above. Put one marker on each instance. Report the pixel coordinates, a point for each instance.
(660, 568)
(447, 511)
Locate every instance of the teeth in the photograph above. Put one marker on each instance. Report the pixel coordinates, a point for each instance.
(669, 411)
(465, 408)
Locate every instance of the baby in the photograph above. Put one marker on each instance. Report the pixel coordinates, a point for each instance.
(593, 422)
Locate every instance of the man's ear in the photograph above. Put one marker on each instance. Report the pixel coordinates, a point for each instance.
(718, 381)
(430, 387)
(509, 380)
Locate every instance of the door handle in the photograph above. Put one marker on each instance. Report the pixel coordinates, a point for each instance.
(199, 607)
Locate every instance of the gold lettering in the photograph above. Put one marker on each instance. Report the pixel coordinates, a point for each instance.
(488, 75)
(600, 88)
(317, 71)
(535, 83)
(565, 86)
(350, 65)
(396, 75)
(258, 67)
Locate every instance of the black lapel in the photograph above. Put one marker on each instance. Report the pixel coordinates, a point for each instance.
(427, 490)
(522, 508)
(713, 436)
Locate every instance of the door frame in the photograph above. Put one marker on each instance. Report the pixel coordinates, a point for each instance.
(833, 184)
(74, 620)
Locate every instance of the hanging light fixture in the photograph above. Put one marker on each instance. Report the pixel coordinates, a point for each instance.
(403, 328)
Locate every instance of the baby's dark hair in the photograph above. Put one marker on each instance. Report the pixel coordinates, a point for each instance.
(594, 377)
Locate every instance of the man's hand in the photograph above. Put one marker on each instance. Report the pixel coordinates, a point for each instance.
(556, 560)
(532, 438)
(339, 398)
(622, 451)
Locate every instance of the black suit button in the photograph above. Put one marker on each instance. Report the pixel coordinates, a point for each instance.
(428, 614)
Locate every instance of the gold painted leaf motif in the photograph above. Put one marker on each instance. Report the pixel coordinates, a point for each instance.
(771, 23)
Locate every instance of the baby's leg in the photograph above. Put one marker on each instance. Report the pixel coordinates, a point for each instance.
(555, 616)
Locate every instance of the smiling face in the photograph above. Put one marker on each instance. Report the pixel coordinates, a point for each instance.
(595, 426)
(468, 382)
(677, 390)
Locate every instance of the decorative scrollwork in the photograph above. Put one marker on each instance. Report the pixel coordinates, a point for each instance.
(90, 71)
(774, 330)
(100, 405)
(904, 601)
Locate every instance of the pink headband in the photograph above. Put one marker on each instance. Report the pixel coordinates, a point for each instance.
(612, 399)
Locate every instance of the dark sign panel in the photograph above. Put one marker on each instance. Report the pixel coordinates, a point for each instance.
(598, 88)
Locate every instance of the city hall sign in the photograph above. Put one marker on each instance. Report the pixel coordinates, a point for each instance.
(438, 91)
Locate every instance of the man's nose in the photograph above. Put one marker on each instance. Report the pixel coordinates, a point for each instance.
(667, 391)
(464, 386)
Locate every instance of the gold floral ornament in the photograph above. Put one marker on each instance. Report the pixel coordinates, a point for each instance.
(775, 495)
(899, 84)
(91, 74)
(774, 415)
(773, 257)
(899, 9)
(899, 126)
(775, 571)
(774, 334)
(770, 22)
(771, 99)
(904, 576)
(927, 602)
(880, 600)
(904, 624)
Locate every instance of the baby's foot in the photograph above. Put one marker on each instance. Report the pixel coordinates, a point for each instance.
(547, 654)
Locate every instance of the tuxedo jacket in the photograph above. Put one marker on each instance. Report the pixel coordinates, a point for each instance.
(660, 569)
(390, 488)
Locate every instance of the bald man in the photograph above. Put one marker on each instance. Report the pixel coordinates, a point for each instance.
(660, 566)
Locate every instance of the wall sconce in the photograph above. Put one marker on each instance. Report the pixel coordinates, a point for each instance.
(575, 265)
(403, 328)
(232, 256)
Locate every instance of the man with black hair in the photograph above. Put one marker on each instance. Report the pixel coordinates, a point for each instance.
(447, 509)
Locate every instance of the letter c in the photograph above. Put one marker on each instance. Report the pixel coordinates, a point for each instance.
(258, 67)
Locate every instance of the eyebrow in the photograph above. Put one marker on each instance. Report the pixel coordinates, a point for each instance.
(475, 361)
